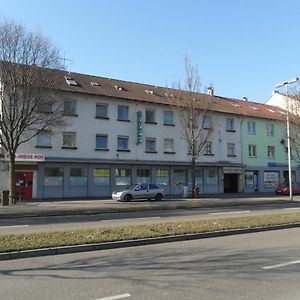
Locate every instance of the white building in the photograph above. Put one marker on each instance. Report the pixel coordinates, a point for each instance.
(98, 152)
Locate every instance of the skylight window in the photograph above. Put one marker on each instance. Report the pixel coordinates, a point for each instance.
(149, 92)
(95, 83)
(282, 112)
(71, 81)
(235, 104)
(253, 107)
(120, 88)
(271, 110)
(171, 95)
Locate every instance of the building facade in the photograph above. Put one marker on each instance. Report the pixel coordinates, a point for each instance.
(119, 133)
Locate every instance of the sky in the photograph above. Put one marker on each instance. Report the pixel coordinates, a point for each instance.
(242, 47)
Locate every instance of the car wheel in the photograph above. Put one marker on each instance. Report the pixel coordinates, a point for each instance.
(158, 197)
(127, 197)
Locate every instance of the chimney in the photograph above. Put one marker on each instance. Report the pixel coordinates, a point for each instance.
(245, 99)
(210, 91)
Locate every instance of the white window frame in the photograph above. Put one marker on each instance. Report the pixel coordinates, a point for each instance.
(72, 136)
(252, 150)
(168, 145)
(150, 141)
(106, 111)
(231, 149)
(72, 112)
(270, 129)
(43, 139)
(271, 151)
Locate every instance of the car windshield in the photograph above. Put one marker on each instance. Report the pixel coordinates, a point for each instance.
(132, 186)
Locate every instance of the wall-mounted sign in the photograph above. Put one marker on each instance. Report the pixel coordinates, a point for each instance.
(139, 127)
(27, 157)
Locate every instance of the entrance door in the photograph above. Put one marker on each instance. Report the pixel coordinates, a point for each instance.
(24, 184)
(230, 183)
(180, 179)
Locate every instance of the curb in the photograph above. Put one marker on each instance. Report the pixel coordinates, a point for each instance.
(99, 210)
(138, 242)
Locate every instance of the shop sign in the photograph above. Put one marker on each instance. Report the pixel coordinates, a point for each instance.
(27, 157)
(230, 170)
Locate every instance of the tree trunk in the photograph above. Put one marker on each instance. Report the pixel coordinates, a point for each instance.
(193, 176)
(12, 177)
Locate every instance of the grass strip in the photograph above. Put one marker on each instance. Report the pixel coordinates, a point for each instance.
(18, 242)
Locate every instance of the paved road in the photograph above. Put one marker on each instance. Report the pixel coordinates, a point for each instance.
(263, 265)
(71, 222)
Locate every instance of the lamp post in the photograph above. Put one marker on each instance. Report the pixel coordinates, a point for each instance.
(286, 84)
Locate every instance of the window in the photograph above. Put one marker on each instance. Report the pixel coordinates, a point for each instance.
(169, 146)
(208, 148)
(123, 113)
(207, 122)
(101, 141)
(101, 177)
(150, 145)
(101, 111)
(53, 176)
(44, 139)
(123, 177)
(123, 143)
(153, 186)
(78, 176)
(143, 175)
(252, 150)
(270, 129)
(150, 116)
(251, 127)
(271, 151)
(45, 107)
(168, 118)
(230, 149)
(212, 176)
(230, 125)
(162, 177)
(70, 107)
(71, 81)
(271, 179)
(69, 139)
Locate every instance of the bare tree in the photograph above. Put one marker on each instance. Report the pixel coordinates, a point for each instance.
(194, 112)
(25, 109)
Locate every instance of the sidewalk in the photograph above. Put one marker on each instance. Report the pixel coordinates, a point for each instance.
(94, 206)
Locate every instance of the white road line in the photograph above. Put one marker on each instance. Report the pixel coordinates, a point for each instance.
(291, 208)
(281, 265)
(13, 226)
(132, 219)
(115, 297)
(230, 212)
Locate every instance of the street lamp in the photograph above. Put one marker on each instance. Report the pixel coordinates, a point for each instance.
(286, 84)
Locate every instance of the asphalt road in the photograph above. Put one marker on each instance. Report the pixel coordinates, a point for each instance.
(71, 222)
(263, 265)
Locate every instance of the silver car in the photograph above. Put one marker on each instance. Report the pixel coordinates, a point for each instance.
(139, 191)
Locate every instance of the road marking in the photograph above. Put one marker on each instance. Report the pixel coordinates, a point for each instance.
(282, 265)
(291, 208)
(231, 212)
(130, 219)
(13, 226)
(115, 297)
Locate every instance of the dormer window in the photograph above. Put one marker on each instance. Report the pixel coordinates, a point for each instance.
(71, 81)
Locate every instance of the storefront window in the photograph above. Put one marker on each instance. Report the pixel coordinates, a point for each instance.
(249, 183)
(143, 176)
(53, 176)
(162, 177)
(212, 177)
(198, 177)
(101, 177)
(123, 176)
(78, 176)
(271, 179)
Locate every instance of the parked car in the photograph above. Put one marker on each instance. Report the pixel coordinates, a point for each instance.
(139, 191)
(284, 189)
